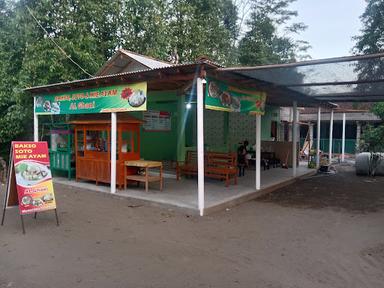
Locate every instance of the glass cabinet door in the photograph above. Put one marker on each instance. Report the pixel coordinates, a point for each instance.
(126, 142)
(129, 142)
(97, 140)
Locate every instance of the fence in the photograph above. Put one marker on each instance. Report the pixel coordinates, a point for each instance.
(350, 145)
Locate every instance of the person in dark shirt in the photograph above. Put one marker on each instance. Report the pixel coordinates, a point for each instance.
(242, 160)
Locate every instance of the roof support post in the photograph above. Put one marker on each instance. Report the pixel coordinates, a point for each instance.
(35, 122)
(200, 144)
(294, 140)
(318, 137)
(330, 137)
(258, 151)
(113, 151)
(358, 135)
(310, 134)
(343, 140)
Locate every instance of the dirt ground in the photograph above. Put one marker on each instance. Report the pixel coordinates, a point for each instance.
(341, 191)
(321, 232)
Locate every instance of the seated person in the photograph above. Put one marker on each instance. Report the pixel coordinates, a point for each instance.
(242, 157)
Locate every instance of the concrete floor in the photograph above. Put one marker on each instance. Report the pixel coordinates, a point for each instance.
(183, 193)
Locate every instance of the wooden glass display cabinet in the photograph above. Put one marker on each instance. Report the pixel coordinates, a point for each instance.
(93, 148)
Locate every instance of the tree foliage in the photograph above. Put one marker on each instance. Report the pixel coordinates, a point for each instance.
(371, 40)
(90, 31)
(263, 43)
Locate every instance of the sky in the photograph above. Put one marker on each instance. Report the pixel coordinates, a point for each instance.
(331, 25)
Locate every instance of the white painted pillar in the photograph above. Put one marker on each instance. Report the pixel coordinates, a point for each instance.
(35, 122)
(343, 140)
(113, 151)
(258, 152)
(294, 139)
(330, 137)
(200, 145)
(310, 130)
(318, 137)
(358, 135)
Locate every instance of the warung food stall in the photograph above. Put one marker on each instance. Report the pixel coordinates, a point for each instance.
(102, 144)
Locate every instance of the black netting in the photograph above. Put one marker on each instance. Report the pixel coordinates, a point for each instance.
(327, 79)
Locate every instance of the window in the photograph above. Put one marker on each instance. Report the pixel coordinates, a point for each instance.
(97, 140)
(129, 141)
(126, 141)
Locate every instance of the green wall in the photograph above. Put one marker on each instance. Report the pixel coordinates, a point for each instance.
(161, 145)
(234, 127)
(223, 131)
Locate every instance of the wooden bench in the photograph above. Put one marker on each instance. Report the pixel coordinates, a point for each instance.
(189, 166)
(222, 166)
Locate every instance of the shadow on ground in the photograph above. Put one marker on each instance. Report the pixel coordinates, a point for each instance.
(343, 190)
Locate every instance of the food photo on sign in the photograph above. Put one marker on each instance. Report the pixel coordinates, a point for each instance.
(28, 175)
(222, 97)
(134, 98)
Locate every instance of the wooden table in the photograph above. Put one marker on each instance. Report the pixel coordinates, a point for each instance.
(144, 178)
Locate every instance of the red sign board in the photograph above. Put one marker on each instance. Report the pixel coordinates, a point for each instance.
(33, 177)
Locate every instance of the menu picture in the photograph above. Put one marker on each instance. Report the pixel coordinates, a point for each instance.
(157, 121)
(33, 177)
(220, 96)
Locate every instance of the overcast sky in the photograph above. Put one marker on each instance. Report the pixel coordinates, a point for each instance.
(331, 25)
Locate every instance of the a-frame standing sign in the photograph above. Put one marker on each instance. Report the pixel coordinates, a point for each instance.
(29, 180)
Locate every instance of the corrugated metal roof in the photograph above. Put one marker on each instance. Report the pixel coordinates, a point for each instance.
(174, 69)
(128, 61)
(145, 60)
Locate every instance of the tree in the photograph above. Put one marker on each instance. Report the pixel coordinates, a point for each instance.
(29, 57)
(50, 41)
(373, 140)
(88, 33)
(262, 43)
(12, 114)
(203, 27)
(371, 40)
(143, 27)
